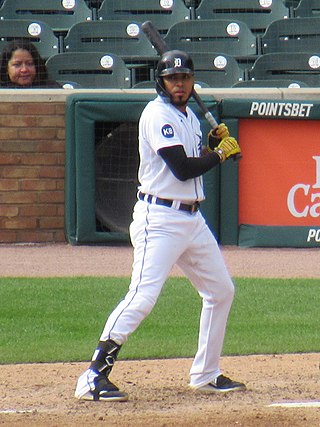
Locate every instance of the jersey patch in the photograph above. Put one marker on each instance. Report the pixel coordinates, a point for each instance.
(167, 131)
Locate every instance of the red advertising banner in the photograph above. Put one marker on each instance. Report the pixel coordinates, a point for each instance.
(279, 175)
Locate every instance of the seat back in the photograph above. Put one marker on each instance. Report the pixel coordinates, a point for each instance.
(304, 67)
(307, 8)
(37, 32)
(256, 14)
(162, 13)
(213, 35)
(217, 70)
(124, 38)
(90, 70)
(151, 84)
(292, 35)
(59, 15)
(271, 83)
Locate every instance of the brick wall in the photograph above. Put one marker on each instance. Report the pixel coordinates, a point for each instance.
(32, 141)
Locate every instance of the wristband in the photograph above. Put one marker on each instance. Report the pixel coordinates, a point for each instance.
(220, 153)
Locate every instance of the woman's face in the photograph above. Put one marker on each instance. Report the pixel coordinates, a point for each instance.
(21, 68)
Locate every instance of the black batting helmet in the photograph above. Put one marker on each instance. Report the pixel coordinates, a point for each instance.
(172, 62)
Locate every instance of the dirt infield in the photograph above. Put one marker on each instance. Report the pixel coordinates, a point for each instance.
(42, 394)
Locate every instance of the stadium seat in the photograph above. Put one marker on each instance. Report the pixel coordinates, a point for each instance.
(291, 3)
(59, 15)
(270, 83)
(124, 38)
(217, 70)
(90, 69)
(307, 8)
(145, 84)
(162, 14)
(37, 32)
(227, 36)
(304, 67)
(292, 35)
(150, 84)
(68, 84)
(256, 14)
(94, 6)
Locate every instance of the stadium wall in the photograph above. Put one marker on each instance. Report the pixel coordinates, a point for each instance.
(32, 139)
(32, 156)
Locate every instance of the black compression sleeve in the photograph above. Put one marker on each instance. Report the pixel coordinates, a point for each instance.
(184, 167)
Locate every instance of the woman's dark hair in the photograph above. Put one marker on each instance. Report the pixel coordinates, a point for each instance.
(41, 76)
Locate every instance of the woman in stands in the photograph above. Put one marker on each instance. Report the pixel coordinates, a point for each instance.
(21, 66)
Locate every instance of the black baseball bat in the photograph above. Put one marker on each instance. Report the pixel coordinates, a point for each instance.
(161, 47)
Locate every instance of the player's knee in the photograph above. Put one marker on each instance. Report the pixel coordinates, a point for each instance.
(222, 294)
(147, 304)
(227, 293)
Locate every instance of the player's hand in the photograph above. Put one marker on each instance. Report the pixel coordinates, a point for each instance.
(222, 131)
(227, 147)
(217, 134)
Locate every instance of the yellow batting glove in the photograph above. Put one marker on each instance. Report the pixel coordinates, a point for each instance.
(217, 134)
(222, 131)
(228, 147)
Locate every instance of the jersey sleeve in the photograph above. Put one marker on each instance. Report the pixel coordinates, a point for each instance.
(163, 130)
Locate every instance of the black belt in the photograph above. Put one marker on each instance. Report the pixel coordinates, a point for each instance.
(166, 202)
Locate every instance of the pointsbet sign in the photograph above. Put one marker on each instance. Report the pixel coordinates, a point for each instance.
(280, 109)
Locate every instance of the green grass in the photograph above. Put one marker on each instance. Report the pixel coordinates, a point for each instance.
(60, 319)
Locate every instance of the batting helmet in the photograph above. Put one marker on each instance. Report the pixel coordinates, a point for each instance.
(172, 62)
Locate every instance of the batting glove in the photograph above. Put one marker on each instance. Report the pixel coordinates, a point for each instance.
(217, 134)
(228, 147)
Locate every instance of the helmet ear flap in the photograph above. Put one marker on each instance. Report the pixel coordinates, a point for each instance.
(160, 88)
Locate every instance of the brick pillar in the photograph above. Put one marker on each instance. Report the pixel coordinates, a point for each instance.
(32, 140)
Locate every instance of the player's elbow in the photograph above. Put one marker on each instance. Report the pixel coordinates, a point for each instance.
(181, 175)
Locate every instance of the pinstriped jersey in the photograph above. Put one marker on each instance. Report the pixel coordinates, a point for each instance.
(163, 125)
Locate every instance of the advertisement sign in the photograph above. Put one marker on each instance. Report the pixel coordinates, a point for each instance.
(279, 175)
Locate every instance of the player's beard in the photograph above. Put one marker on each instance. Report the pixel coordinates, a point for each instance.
(180, 101)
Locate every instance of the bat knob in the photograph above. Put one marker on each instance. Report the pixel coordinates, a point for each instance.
(237, 157)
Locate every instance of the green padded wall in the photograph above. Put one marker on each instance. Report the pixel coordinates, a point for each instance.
(82, 114)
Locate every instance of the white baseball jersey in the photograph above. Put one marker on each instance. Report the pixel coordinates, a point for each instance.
(162, 125)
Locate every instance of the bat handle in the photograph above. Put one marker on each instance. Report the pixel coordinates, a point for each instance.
(211, 120)
(214, 125)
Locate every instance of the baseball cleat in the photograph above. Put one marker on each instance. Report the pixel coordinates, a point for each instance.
(93, 386)
(222, 384)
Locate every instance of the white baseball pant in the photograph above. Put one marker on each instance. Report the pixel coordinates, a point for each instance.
(162, 237)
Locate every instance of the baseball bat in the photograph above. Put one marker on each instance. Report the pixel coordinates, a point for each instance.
(161, 47)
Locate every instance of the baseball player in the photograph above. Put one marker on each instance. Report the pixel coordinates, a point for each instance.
(168, 228)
